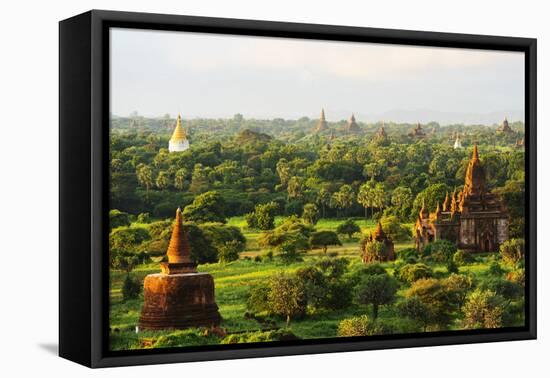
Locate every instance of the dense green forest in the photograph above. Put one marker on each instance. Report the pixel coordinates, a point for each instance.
(274, 207)
(251, 162)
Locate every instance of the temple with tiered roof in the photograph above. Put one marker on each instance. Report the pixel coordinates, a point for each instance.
(417, 132)
(178, 142)
(505, 128)
(474, 219)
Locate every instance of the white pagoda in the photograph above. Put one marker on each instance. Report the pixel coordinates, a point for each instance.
(179, 141)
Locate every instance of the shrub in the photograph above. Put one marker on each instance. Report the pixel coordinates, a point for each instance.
(484, 309)
(229, 251)
(349, 227)
(507, 289)
(263, 216)
(131, 288)
(127, 239)
(118, 218)
(206, 207)
(144, 218)
(513, 252)
(462, 258)
(188, 337)
(260, 336)
(310, 214)
(258, 258)
(457, 287)
(287, 296)
(332, 267)
(409, 255)
(495, 269)
(362, 326)
(413, 308)
(258, 299)
(377, 290)
(434, 294)
(451, 266)
(394, 229)
(439, 251)
(413, 272)
(294, 207)
(362, 270)
(517, 276)
(322, 239)
(324, 286)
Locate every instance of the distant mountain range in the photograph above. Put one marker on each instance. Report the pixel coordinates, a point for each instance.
(426, 115)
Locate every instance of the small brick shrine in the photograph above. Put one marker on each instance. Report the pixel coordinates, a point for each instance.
(179, 297)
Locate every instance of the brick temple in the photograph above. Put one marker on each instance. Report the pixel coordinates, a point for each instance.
(179, 297)
(474, 219)
(378, 235)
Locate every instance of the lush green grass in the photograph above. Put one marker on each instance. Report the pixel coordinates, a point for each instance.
(348, 248)
(234, 280)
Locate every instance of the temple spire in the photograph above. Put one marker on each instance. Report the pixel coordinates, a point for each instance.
(423, 211)
(322, 125)
(454, 205)
(179, 249)
(446, 202)
(474, 182)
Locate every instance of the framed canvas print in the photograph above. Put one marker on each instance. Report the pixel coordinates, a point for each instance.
(234, 188)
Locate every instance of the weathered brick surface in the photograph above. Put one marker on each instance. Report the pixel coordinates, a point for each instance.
(176, 301)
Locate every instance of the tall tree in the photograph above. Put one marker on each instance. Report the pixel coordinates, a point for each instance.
(343, 199)
(366, 196)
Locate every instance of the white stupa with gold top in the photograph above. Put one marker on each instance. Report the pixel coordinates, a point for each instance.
(179, 141)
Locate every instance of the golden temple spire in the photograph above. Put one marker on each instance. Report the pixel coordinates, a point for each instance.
(454, 204)
(378, 233)
(475, 155)
(179, 250)
(446, 202)
(179, 133)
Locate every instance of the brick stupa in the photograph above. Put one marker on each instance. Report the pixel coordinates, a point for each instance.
(179, 297)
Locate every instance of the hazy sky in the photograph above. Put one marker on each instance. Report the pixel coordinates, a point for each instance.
(208, 75)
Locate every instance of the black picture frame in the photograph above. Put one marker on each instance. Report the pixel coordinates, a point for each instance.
(83, 180)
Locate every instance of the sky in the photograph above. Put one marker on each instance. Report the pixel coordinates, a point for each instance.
(216, 76)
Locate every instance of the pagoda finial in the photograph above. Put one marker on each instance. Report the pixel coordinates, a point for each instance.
(179, 249)
(322, 114)
(378, 232)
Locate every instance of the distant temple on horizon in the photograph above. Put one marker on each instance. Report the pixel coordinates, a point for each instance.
(352, 126)
(417, 132)
(458, 144)
(475, 219)
(505, 127)
(322, 125)
(178, 142)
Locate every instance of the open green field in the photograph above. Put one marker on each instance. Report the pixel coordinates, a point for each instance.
(232, 283)
(348, 248)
